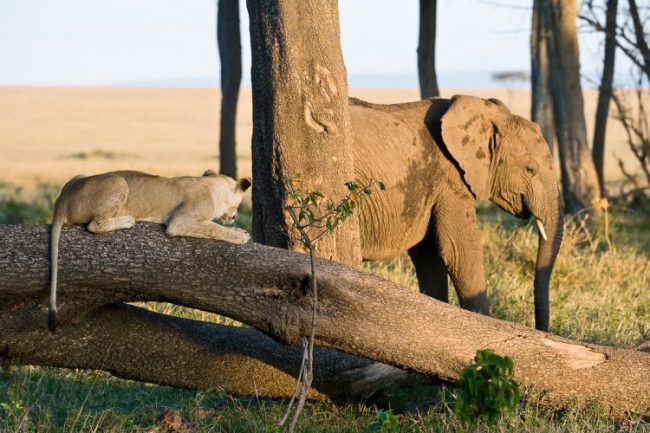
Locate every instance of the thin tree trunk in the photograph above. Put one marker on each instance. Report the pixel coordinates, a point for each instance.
(268, 288)
(641, 43)
(605, 94)
(427, 50)
(579, 179)
(228, 39)
(301, 125)
(542, 100)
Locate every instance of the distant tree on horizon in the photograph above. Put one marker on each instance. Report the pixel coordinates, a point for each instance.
(510, 79)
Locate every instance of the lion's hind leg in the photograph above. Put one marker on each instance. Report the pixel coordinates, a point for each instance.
(106, 217)
(99, 202)
(102, 225)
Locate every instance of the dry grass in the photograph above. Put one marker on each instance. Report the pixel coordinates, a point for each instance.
(164, 131)
(50, 134)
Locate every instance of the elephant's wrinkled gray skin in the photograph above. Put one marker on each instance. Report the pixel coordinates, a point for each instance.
(436, 157)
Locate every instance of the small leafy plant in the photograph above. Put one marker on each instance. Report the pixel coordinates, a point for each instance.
(312, 222)
(487, 389)
(386, 421)
(12, 411)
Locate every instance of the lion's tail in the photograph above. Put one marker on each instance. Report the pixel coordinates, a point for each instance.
(55, 233)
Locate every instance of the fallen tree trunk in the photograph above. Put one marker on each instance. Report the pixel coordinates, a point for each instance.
(268, 289)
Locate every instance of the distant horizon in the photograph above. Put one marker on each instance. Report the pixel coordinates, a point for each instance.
(407, 80)
(446, 79)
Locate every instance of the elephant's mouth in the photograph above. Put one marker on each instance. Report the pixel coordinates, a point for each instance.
(514, 207)
(524, 213)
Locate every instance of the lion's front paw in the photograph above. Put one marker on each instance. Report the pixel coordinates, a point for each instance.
(246, 237)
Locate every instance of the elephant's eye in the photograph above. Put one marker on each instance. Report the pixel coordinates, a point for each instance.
(531, 168)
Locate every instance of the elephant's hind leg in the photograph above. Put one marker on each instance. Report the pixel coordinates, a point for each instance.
(430, 269)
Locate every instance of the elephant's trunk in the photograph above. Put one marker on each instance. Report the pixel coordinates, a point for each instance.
(551, 224)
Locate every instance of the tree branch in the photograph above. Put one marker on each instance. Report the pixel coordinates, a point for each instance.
(634, 47)
(639, 33)
(267, 288)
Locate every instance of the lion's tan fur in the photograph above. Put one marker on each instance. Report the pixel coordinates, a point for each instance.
(116, 200)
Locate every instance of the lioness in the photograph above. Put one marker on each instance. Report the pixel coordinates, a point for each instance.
(116, 200)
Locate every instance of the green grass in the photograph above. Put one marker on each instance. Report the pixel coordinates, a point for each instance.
(599, 294)
(16, 207)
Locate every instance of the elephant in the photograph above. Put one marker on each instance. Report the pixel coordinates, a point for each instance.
(436, 157)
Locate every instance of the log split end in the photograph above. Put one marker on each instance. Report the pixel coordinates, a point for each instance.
(575, 355)
(374, 375)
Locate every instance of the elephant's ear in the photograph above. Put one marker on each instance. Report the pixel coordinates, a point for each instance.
(468, 129)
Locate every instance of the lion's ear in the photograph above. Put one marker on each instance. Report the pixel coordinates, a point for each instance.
(244, 183)
(209, 173)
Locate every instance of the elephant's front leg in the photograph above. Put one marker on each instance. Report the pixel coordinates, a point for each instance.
(458, 240)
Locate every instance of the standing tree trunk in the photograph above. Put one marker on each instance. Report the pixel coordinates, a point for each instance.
(641, 39)
(427, 49)
(228, 40)
(542, 103)
(579, 179)
(605, 95)
(301, 123)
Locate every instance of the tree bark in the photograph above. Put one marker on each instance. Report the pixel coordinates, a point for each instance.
(427, 50)
(605, 93)
(229, 42)
(579, 180)
(301, 123)
(542, 98)
(268, 288)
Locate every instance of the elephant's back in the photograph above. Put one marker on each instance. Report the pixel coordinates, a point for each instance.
(394, 147)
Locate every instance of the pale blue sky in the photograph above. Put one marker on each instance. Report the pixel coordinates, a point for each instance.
(99, 42)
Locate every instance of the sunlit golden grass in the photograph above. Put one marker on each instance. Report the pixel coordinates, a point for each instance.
(398, 269)
(597, 294)
(603, 293)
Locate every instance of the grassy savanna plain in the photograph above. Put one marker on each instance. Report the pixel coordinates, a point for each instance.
(600, 290)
